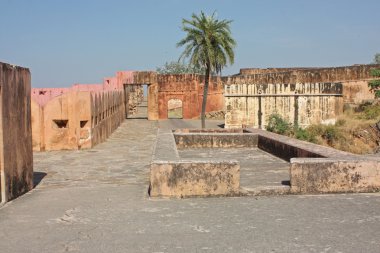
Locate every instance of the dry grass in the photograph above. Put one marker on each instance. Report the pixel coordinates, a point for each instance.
(354, 132)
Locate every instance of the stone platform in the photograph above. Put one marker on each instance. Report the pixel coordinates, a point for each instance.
(312, 168)
(96, 201)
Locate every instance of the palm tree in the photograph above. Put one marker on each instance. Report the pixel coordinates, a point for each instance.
(209, 45)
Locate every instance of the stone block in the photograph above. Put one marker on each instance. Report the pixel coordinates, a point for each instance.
(190, 178)
(334, 175)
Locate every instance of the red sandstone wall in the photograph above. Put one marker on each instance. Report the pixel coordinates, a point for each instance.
(16, 156)
(189, 89)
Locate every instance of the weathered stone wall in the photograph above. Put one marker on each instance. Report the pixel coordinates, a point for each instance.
(353, 78)
(16, 156)
(302, 96)
(250, 104)
(189, 89)
(76, 119)
(107, 113)
(62, 119)
(134, 96)
(171, 176)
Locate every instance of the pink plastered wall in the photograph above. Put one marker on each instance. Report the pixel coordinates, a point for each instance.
(43, 95)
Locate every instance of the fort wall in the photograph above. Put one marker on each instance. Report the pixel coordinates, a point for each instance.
(16, 156)
(303, 96)
(76, 119)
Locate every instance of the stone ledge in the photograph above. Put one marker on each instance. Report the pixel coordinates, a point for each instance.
(215, 140)
(334, 175)
(172, 177)
(194, 178)
(287, 148)
(313, 168)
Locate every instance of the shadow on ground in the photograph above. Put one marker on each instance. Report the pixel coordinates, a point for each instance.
(37, 178)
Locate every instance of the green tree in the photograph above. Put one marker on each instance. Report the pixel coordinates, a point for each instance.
(209, 45)
(374, 85)
(175, 67)
(376, 59)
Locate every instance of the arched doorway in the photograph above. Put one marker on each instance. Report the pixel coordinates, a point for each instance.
(175, 109)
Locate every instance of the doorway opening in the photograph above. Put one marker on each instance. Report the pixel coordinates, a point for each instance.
(136, 101)
(175, 109)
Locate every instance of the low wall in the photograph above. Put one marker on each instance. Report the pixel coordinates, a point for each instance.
(194, 178)
(319, 169)
(215, 140)
(334, 175)
(171, 176)
(16, 156)
(287, 148)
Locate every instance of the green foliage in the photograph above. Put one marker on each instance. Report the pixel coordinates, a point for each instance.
(304, 134)
(369, 111)
(278, 125)
(174, 67)
(376, 59)
(374, 85)
(375, 72)
(331, 133)
(208, 44)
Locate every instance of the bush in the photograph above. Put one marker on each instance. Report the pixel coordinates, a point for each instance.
(369, 111)
(340, 122)
(330, 134)
(277, 124)
(304, 134)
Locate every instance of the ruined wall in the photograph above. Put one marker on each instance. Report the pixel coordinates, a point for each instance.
(107, 113)
(16, 156)
(134, 97)
(76, 119)
(63, 118)
(189, 89)
(302, 96)
(250, 104)
(353, 78)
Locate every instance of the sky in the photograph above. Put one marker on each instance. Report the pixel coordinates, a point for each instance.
(64, 42)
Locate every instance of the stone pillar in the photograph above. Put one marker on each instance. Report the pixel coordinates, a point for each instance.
(16, 155)
(153, 101)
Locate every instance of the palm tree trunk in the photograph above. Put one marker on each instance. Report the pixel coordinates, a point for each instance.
(204, 101)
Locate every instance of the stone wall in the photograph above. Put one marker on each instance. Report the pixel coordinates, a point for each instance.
(16, 156)
(250, 104)
(189, 89)
(134, 97)
(107, 113)
(76, 119)
(303, 96)
(353, 78)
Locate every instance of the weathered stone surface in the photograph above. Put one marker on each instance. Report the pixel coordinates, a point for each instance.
(215, 140)
(334, 175)
(173, 177)
(251, 104)
(76, 119)
(194, 178)
(303, 96)
(16, 156)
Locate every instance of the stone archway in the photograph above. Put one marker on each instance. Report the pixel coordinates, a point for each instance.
(175, 108)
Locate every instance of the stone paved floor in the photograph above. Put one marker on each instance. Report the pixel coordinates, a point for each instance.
(96, 201)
